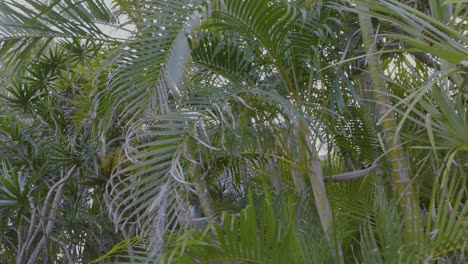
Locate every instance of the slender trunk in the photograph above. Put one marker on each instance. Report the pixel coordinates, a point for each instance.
(324, 209)
(204, 197)
(310, 157)
(245, 179)
(401, 179)
(298, 176)
(371, 107)
(274, 175)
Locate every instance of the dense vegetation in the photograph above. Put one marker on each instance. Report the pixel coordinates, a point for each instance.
(190, 131)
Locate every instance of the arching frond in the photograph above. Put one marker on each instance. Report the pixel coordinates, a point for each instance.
(223, 56)
(420, 30)
(150, 68)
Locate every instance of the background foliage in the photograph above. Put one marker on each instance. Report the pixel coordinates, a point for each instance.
(255, 131)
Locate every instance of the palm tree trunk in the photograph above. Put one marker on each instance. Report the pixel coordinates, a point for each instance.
(401, 179)
(315, 175)
(275, 177)
(206, 203)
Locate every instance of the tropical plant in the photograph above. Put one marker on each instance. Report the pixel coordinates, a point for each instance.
(142, 147)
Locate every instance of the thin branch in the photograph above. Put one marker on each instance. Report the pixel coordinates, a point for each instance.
(350, 176)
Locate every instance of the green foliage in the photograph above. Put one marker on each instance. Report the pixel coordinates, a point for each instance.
(266, 234)
(106, 142)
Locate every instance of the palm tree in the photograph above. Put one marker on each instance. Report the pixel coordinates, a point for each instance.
(52, 177)
(203, 101)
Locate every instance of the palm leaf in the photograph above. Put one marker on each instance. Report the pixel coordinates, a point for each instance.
(223, 56)
(150, 68)
(263, 235)
(27, 28)
(419, 30)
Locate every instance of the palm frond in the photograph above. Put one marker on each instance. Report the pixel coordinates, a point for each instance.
(264, 235)
(419, 30)
(446, 221)
(268, 31)
(223, 56)
(383, 240)
(150, 68)
(27, 28)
